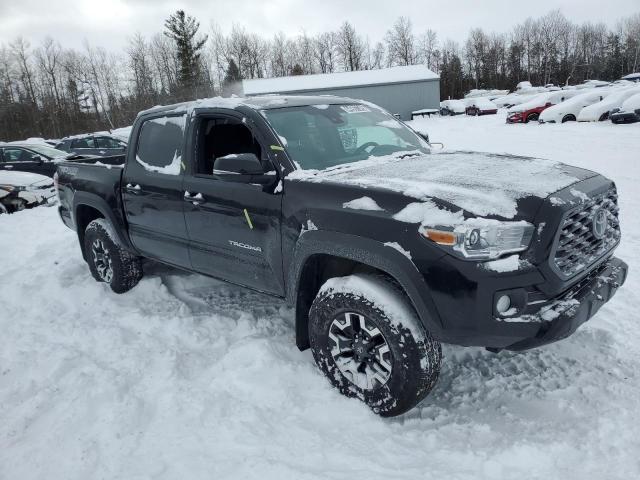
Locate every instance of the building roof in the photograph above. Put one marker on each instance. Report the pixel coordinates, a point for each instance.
(321, 81)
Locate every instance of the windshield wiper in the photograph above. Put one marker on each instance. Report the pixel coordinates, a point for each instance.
(409, 154)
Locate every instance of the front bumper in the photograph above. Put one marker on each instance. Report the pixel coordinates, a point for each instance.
(560, 317)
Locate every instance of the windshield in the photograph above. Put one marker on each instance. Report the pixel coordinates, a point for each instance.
(321, 136)
(47, 151)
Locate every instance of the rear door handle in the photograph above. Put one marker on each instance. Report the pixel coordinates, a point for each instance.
(195, 198)
(133, 188)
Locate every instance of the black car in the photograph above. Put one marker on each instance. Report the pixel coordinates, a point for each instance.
(103, 145)
(30, 157)
(620, 117)
(383, 248)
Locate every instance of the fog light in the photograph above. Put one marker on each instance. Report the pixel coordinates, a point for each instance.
(503, 304)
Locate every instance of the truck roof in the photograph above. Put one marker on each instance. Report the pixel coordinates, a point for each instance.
(259, 102)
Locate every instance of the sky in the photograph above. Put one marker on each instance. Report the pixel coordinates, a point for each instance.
(110, 23)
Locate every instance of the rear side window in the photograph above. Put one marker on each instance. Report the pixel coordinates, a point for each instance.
(82, 143)
(160, 145)
(106, 142)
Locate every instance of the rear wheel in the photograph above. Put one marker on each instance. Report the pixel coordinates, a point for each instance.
(568, 118)
(368, 341)
(603, 117)
(532, 117)
(108, 261)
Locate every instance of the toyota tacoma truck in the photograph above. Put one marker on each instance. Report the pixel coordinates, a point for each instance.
(384, 248)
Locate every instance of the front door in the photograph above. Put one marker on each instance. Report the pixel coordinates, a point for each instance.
(234, 228)
(152, 191)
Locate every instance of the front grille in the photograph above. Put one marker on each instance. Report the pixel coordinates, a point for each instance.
(578, 247)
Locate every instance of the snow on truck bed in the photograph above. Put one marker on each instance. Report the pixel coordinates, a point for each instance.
(187, 377)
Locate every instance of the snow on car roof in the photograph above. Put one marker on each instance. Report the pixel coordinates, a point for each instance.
(320, 81)
(262, 102)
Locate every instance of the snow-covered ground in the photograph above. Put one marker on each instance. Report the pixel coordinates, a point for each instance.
(188, 378)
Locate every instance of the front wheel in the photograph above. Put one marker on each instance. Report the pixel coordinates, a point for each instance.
(108, 261)
(368, 341)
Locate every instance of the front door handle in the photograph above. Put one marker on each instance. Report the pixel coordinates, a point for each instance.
(195, 198)
(133, 188)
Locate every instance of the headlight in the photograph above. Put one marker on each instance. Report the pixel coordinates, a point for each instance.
(11, 188)
(482, 240)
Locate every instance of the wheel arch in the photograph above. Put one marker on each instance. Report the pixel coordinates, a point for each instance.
(88, 207)
(321, 255)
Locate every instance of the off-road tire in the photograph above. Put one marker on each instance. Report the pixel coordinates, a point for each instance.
(126, 267)
(415, 355)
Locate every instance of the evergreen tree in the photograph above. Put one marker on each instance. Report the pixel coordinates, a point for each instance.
(182, 29)
(232, 79)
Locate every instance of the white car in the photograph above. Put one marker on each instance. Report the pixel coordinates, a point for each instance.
(598, 112)
(20, 190)
(568, 110)
(452, 107)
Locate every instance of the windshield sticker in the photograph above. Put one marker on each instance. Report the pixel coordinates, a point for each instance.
(355, 108)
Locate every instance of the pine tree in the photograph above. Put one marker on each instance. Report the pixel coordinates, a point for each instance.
(182, 29)
(232, 79)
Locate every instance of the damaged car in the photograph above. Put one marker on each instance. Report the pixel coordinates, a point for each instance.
(20, 190)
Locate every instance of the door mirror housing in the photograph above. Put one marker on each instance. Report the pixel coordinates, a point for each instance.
(37, 158)
(238, 164)
(242, 168)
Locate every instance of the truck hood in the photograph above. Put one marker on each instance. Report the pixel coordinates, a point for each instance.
(482, 184)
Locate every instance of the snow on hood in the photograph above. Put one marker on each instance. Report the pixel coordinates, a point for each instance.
(480, 183)
(22, 179)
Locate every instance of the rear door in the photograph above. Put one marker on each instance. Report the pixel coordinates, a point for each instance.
(234, 228)
(152, 190)
(19, 159)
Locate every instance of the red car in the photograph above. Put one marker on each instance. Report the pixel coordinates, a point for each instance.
(527, 115)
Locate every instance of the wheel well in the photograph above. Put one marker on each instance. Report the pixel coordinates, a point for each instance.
(84, 216)
(316, 271)
(569, 118)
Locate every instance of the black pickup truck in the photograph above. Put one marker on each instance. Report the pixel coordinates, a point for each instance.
(384, 248)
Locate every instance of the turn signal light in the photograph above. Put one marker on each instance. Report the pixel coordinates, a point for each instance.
(441, 237)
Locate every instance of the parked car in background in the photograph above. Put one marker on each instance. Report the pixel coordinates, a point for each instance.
(632, 77)
(599, 112)
(30, 157)
(629, 112)
(480, 106)
(530, 110)
(103, 145)
(452, 107)
(20, 190)
(568, 111)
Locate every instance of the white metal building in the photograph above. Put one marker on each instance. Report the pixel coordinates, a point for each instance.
(399, 90)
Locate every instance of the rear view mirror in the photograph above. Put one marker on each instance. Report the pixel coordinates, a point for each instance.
(238, 164)
(242, 168)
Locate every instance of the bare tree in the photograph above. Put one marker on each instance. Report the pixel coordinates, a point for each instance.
(350, 47)
(401, 43)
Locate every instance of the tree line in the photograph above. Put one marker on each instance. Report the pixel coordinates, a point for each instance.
(50, 91)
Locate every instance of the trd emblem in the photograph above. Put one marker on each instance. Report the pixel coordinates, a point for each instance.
(599, 223)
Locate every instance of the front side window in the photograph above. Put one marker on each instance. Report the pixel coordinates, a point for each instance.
(160, 144)
(17, 155)
(220, 137)
(47, 151)
(322, 136)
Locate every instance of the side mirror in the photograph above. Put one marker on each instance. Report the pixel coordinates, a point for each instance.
(241, 167)
(37, 158)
